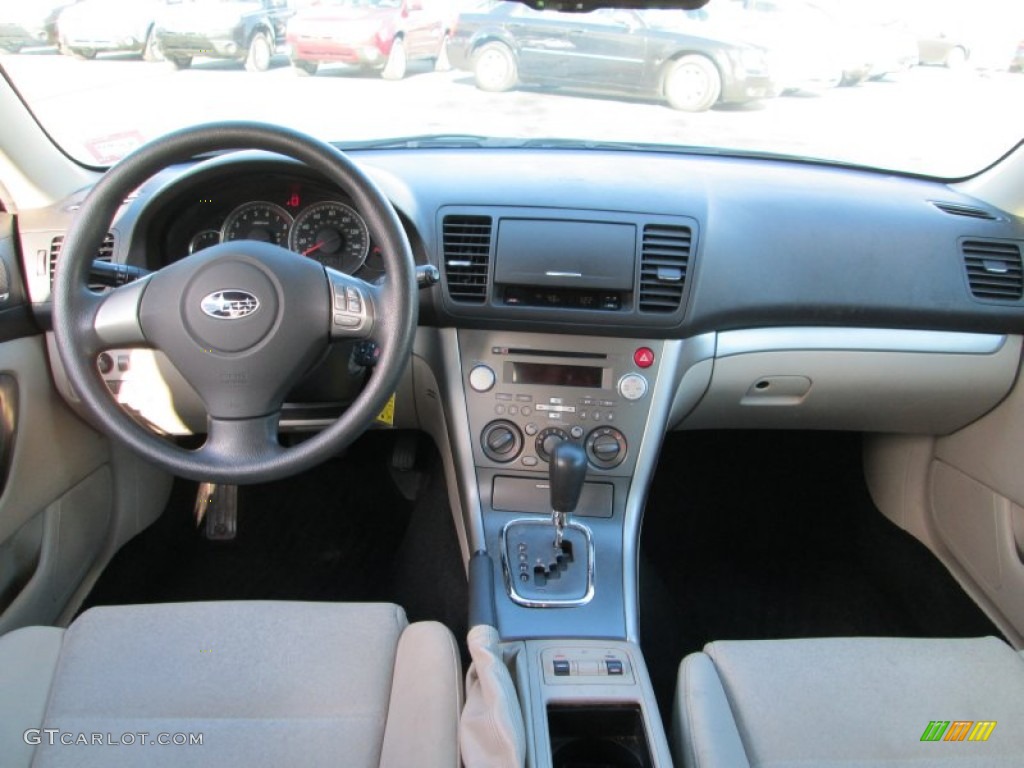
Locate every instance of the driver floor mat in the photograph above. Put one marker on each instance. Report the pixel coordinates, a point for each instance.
(338, 532)
(760, 535)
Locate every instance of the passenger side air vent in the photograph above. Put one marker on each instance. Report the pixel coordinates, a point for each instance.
(467, 248)
(664, 259)
(993, 269)
(959, 209)
(105, 253)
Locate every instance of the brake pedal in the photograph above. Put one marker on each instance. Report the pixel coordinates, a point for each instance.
(218, 505)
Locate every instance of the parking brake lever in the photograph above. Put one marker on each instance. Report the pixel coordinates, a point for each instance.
(568, 470)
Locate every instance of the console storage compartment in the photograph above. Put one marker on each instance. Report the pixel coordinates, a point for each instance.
(602, 736)
(589, 704)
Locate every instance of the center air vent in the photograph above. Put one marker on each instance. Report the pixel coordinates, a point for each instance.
(467, 249)
(993, 269)
(663, 263)
(105, 253)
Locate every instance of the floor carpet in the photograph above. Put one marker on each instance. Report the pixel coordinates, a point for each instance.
(342, 531)
(756, 535)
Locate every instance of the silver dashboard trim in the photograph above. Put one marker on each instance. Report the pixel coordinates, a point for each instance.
(676, 356)
(856, 340)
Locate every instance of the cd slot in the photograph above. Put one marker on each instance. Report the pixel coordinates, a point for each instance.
(549, 353)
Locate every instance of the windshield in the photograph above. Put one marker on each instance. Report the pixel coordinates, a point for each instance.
(930, 87)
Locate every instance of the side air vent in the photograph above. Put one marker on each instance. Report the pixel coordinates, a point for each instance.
(993, 269)
(664, 259)
(105, 253)
(467, 248)
(959, 209)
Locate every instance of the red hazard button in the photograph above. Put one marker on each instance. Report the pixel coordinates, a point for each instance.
(644, 357)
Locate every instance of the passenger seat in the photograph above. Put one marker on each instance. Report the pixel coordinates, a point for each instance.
(851, 702)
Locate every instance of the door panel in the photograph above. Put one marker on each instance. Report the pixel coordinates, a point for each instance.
(56, 503)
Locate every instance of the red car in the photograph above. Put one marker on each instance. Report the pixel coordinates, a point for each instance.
(374, 34)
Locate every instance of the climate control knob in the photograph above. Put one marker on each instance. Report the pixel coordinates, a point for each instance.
(606, 447)
(501, 441)
(548, 439)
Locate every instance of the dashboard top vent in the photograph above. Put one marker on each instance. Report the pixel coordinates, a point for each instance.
(994, 269)
(664, 259)
(466, 242)
(105, 253)
(959, 209)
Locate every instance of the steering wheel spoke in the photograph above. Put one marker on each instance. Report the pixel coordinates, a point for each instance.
(354, 305)
(116, 322)
(230, 441)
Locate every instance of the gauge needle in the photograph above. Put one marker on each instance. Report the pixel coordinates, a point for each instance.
(313, 248)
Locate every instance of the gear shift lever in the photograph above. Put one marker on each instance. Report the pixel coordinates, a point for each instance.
(568, 470)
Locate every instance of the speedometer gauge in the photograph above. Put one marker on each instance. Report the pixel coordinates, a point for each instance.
(333, 234)
(265, 222)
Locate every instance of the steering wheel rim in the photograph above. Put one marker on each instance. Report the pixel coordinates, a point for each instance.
(242, 449)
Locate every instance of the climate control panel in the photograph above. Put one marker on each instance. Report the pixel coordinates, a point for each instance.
(525, 393)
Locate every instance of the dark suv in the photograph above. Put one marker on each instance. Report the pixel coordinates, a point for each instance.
(248, 31)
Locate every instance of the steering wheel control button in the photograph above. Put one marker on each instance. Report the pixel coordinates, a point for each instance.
(482, 378)
(501, 441)
(643, 357)
(606, 447)
(633, 386)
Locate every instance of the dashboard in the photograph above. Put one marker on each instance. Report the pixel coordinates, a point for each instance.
(805, 287)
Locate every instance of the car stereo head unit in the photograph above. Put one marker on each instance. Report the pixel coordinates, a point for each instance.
(525, 397)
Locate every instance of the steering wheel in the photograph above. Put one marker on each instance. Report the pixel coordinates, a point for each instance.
(242, 321)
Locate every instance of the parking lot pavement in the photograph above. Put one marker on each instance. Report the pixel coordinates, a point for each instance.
(912, 121)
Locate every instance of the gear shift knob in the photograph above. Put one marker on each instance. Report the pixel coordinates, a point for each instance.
(568, 470)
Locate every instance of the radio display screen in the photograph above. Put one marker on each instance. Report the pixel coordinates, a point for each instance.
(556, 375)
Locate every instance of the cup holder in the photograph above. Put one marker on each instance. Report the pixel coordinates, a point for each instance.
(598, 737)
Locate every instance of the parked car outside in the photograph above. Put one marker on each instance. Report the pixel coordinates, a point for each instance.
(612, 51)
(248, 31)
(373, 34)
(1017, 65)
(89, 27)
(798, 61)
(29, 24)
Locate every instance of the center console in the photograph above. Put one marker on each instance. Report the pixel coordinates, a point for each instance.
(560, 602)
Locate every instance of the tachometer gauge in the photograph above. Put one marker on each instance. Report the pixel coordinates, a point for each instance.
(203, 239)
(265, 222)
(333, 234)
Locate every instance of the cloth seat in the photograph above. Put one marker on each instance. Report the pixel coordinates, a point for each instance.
(260, 683)
(851, 702)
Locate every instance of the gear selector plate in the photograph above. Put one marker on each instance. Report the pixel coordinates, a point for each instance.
(539, 574)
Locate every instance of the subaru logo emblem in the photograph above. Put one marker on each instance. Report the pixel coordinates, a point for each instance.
(230, 305)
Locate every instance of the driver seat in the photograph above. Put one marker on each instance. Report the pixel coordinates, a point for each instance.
(261, 683)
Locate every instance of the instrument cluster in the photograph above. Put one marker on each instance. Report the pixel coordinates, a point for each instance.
(309, 219)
